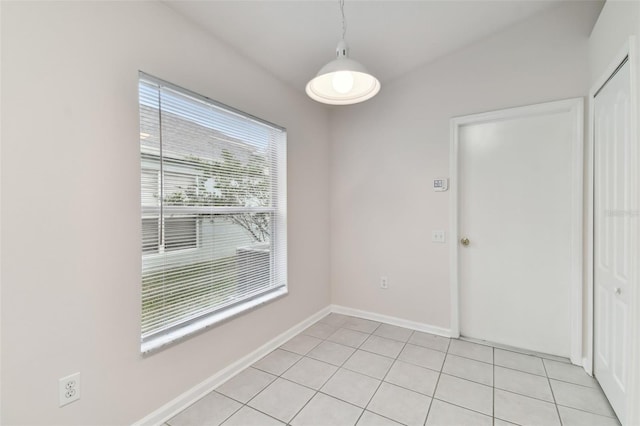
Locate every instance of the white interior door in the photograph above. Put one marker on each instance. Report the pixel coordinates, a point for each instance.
(517, 206)
(612, 236)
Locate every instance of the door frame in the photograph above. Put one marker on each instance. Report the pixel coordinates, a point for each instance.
(633, 390)
(576, 107)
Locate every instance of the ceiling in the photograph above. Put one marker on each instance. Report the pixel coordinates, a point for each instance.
(294, 39)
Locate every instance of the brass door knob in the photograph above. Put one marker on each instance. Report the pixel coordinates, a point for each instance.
(464, 241)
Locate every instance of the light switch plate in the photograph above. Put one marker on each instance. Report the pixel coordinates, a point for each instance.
(438, 237)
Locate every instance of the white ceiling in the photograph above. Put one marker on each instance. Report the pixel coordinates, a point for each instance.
(294, 39)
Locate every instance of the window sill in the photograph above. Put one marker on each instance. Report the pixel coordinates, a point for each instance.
(161, 342)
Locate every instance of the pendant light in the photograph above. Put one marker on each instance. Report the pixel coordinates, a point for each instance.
(343, 81)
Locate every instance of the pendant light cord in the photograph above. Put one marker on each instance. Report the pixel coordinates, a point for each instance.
(344, 20)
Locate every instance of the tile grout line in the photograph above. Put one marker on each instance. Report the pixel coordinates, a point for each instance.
(342, 366)
(326, 381)
(386, 356)
(337, 398)
(435, 388)
(449, 373)
(468, 357)
(589, 412)
(493, 385)
(553, 395)
(494, 365)
(463, 407)
(510, 368)
(395, 420)
(525, 395)
(525, 371)
(303, 407)
(572, 383)
(418, 365)
(261, 412)
(232, 414)
(284, 378)
(526, 352)
(533, 374)
(472, 359)
(513, 393)
(384, 377)
(521, 371)
(357, 372)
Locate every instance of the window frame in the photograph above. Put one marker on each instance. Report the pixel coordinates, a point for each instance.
(277, 212)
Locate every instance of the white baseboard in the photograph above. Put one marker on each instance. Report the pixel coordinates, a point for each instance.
(178, 404)
(427, 328)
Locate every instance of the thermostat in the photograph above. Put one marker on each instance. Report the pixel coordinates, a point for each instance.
(440, 184)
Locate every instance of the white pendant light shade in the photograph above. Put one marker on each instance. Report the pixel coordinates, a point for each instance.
(343, 81)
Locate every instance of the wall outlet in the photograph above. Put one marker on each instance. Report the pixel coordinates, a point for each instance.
(69, 389)
(384, 282)
(437, 236)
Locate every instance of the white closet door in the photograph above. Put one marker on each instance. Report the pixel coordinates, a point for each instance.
(612, 236)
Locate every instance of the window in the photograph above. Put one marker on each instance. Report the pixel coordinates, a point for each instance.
(213, 212)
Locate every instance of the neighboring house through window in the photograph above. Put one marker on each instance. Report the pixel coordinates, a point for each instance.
(213, 211)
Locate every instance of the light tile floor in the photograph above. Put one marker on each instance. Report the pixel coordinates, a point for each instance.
(351, 371)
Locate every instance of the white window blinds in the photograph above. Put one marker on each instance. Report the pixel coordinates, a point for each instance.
(213, 211)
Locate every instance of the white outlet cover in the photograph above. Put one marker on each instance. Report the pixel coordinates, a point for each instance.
(69, 389)
(384, 282)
